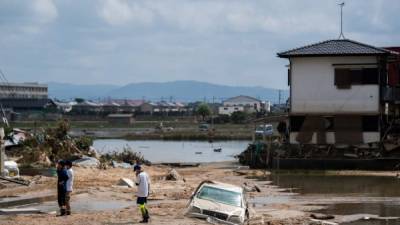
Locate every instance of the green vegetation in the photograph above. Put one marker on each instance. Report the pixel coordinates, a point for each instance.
(203, 110)
(239, 117)
(128, 155)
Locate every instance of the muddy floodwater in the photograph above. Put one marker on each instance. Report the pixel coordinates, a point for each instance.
(344, 195)
(176, 151)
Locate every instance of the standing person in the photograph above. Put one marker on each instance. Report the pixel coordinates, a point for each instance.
(70, 184)
(143, 189)
(61, 186)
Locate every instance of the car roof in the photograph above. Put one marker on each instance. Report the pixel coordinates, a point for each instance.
(225, 186)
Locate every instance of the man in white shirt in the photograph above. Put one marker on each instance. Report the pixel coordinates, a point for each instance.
(143, 190)
(70, 184)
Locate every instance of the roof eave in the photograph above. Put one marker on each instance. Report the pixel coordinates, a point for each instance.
(330, 55)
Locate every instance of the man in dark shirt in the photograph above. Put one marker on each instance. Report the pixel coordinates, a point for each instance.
(61, 186)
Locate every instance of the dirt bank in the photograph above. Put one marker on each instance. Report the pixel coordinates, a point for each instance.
(167, 202)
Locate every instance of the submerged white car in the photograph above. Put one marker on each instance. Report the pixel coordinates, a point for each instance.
(219, 201)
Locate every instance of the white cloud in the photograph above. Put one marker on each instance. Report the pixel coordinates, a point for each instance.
(222, 15)
(45, 10)
(120, 12)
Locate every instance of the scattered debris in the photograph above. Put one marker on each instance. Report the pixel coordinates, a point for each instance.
(248, 188)
(17, 181)
(126, 182)
(321, 216)
(87, 161)
(19, 211)
(181, 165)
(322, 222)
(217, 149)
(173, 175)
(121, 165)
(47, 146)
(93, 152)
(11, 169)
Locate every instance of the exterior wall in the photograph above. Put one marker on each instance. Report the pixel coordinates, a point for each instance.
(23, 91)
(313, 89)
(243, 103)
(368, 137)
(146, 108)
(228, 110)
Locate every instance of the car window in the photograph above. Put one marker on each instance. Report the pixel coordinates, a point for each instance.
(220, 195)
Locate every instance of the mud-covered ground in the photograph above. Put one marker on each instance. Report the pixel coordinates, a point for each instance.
(167, 203)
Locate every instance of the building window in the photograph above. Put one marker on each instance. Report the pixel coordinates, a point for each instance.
(345, 77)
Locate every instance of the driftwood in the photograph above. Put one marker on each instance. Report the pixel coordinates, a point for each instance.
(26, 183)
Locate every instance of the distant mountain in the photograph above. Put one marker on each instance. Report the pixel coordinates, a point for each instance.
(69, 91)
(155, 91)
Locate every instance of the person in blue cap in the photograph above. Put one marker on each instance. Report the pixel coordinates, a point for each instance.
(61, 186)
(143, 190)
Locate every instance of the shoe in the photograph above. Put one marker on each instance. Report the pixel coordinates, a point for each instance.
(68, 213)
(145, 220)
(62, 213)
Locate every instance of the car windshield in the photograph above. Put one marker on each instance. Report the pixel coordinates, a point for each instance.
(220, 195)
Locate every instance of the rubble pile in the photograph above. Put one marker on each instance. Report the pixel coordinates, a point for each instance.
(46, 146)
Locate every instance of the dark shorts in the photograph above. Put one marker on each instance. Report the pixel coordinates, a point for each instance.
(141, 200)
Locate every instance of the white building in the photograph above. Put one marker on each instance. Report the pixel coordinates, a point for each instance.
(23, 91)
(24, 96)
(242, 104)
(335, 92)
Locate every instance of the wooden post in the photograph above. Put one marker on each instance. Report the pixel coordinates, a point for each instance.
(2, 153)
(254, 133)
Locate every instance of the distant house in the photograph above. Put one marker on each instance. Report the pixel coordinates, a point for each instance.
(240, 103)
(121, 118)
(163, 108)
(335, 92)
(148, 108)
(129, 105)
(87, 108)
(64, 106)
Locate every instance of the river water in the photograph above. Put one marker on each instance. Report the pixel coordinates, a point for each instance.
(175, 151)
(343, 195)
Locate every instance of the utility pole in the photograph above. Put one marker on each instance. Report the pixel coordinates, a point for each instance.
(279, 96)
(2, 152)
(341, 20)
(212, 114)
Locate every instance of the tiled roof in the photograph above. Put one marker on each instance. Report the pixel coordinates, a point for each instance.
(334, 48)
(242, 98)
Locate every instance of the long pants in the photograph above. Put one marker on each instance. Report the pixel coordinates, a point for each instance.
(61, 197)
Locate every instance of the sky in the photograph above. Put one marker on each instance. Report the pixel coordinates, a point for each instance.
(232, 42)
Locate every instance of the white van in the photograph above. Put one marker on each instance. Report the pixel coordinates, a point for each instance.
(265, 129)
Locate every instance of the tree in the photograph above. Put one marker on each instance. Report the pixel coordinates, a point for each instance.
(239, 117)
(203, 110)
(79, 100)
